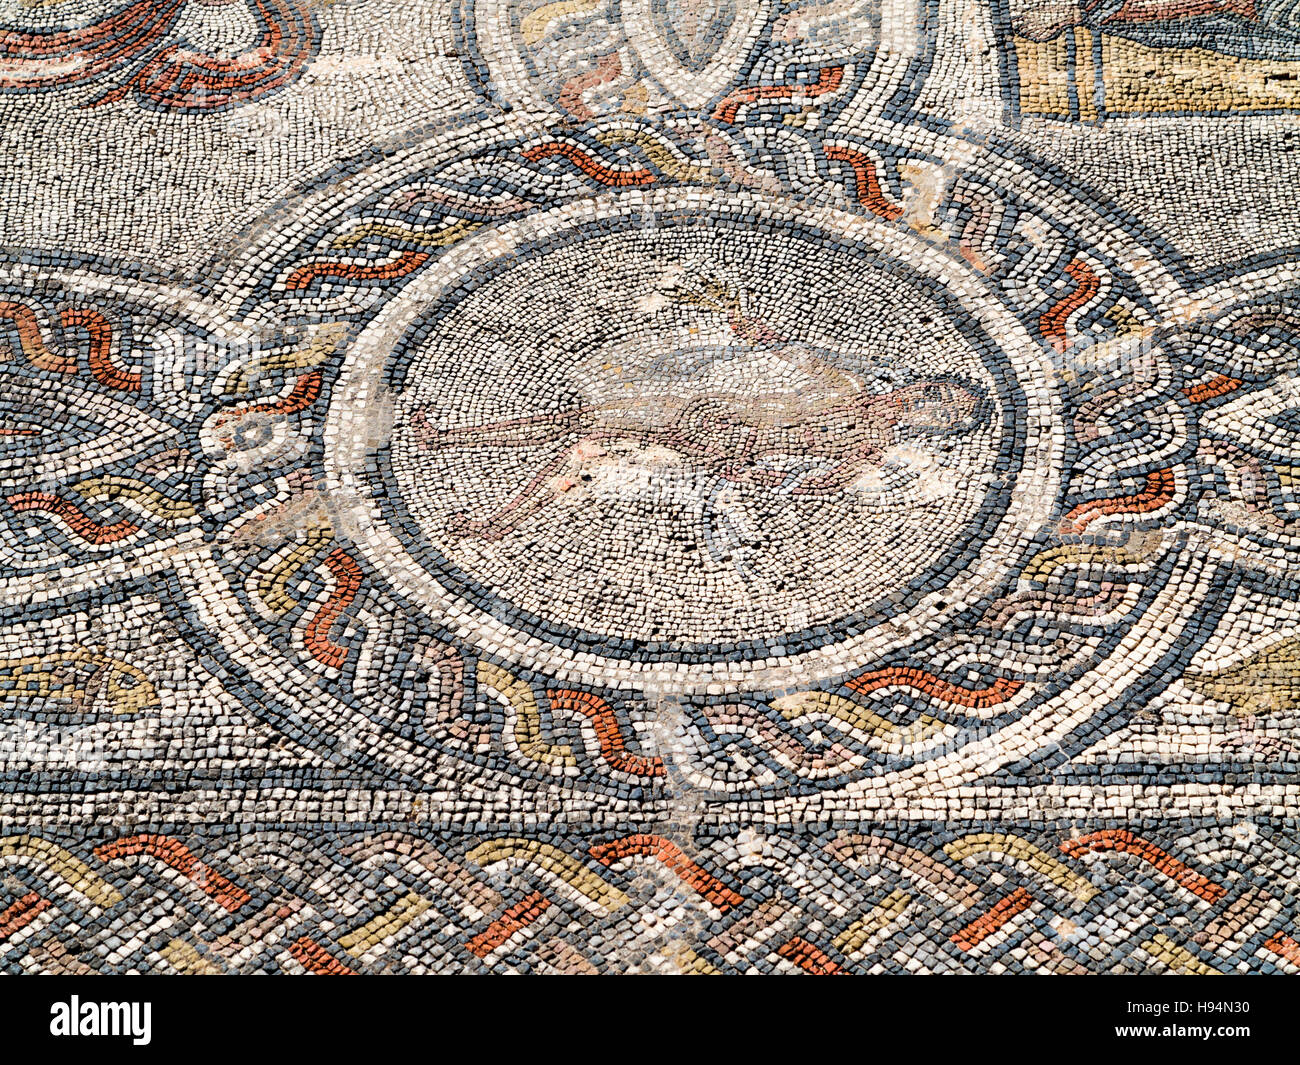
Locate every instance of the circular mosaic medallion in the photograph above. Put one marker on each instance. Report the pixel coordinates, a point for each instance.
(558, 429)
(678, 435)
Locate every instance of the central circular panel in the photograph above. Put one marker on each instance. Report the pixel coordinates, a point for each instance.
(675, 434)
(709, 435)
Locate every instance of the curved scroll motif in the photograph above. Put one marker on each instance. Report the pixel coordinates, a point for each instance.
(140, 51)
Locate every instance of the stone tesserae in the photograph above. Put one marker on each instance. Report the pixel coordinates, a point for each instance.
(702, 486)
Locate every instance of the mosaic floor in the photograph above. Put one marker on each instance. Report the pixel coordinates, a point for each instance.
(649, 485)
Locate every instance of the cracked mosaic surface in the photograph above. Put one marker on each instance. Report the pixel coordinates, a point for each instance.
(623, 485)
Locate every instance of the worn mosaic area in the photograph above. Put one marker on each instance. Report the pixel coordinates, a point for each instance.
(649, 485)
